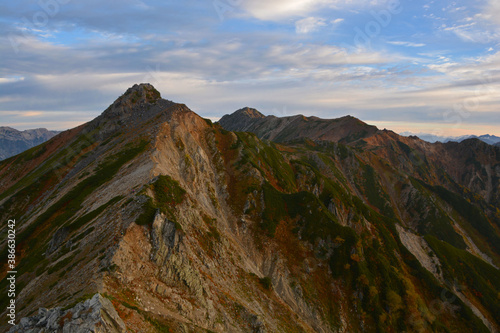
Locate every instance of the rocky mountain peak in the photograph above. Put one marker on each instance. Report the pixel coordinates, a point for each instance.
(142, 92)
(139, 94)
(249, 112)
(241, 119)
(138, 103)
(137, 99)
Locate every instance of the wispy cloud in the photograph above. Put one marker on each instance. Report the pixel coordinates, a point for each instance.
(309, 24)
(4, 80)
(474, 30)
(409, 44)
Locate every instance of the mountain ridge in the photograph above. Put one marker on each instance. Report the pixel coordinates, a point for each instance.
(353, 132)
(185, 226)
(282, 129)
(13, 141)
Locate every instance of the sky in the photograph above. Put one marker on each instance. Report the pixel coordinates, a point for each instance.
(407, 65)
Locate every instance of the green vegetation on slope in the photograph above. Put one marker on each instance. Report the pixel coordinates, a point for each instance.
(396, 292)
(478, 277)
(34, 238)
(376, 196)
(51, 166)
(265, 157)
(474, 217)
(65, 208)
(167, 195)
(83, 220)
(433, 220)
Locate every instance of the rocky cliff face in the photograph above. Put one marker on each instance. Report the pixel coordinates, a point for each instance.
(93, 315)
(13, 142)
(183, 226)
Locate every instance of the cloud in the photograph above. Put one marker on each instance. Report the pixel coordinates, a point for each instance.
(475, 24)
(409, 44)
(309, 24)
(279, 9)
(312, 24)
(4, 80)
(128, 17)
(62, 120)
(282, 9)
(492, 11)
(475, 30)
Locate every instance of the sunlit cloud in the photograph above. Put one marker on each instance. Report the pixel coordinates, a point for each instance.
(32, 114)
(4, 80)
(282, 9)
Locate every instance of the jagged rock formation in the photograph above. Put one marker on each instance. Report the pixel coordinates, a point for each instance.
(93, 315)
(13, 142)
(187, 227)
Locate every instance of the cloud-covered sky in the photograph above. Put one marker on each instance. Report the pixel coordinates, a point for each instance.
(405, 65)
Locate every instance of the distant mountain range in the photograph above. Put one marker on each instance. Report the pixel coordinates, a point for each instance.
(13, 142)
(489, 139)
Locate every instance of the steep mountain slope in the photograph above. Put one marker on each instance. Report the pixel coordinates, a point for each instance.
(13, 142)
(457, 173)
(186, 227)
